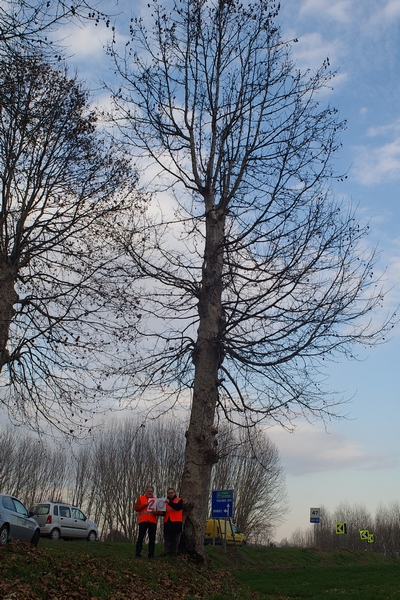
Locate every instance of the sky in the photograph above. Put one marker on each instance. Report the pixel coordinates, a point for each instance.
(356, 459)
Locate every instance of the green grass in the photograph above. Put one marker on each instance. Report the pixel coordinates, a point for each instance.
(308, 573)
(106, 571)
(333, 582)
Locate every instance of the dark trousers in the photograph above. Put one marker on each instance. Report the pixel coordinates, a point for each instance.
(151, 529)
(171, 542)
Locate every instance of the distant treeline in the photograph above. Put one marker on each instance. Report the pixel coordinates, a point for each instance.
(384, 530)
(105, 474)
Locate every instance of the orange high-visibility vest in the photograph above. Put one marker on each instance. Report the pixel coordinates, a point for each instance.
(144, 516)
(171, 514)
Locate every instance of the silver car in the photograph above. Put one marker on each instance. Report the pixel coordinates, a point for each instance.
(15, 523)
(59, 520)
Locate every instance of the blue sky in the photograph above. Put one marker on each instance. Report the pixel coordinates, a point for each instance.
(356, 460)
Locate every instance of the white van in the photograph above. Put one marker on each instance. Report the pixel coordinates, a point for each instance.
(58, 520)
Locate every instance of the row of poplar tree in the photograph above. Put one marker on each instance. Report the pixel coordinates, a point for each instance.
(383, 529)
(105, 474)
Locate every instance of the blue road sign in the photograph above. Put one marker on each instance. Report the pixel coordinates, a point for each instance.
(315, 515)
(222, 504)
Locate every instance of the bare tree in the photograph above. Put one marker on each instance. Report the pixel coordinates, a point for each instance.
(29, 22)
(253, 275)
(125, 457)
(356, 517)
(46, 470)
(61, 183)
(167, 440)
(387, 530)
(249, 464)
(31, 469)
(324, 536)
(80, 476)
(7, 453)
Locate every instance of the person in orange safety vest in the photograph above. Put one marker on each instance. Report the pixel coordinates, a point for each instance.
(147, 519)
(172, 522)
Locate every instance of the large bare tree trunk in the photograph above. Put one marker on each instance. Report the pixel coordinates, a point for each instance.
(200, 453)
(8, 297)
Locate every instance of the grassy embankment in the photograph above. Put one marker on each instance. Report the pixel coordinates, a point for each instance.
(79, 570)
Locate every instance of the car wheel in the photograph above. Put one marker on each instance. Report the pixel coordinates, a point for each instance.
(92, 536)
(4, 535)
(55, 534)
(35, 538)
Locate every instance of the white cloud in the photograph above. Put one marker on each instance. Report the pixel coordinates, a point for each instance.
(338, 11)
(391, 128)
(313, 48)
(378, 162)
(312, 450)
(346, 12)
(378, 165)
(392, 9)
(85, 42)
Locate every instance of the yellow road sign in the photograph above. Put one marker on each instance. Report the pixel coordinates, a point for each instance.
(341, 528)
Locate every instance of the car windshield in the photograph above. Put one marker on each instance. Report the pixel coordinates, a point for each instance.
(65, 512)
(78, 514)
(20, 508)
(8, 503)
(42, 509)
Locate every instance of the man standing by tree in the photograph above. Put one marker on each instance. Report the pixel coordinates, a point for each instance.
(147, 518)
(172, 522)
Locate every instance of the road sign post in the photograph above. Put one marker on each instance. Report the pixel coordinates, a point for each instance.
(222, 504)
(315, 515)
(222, 508)
(341, 528)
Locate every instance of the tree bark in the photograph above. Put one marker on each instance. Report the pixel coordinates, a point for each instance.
(200, 452)
(8, 297)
